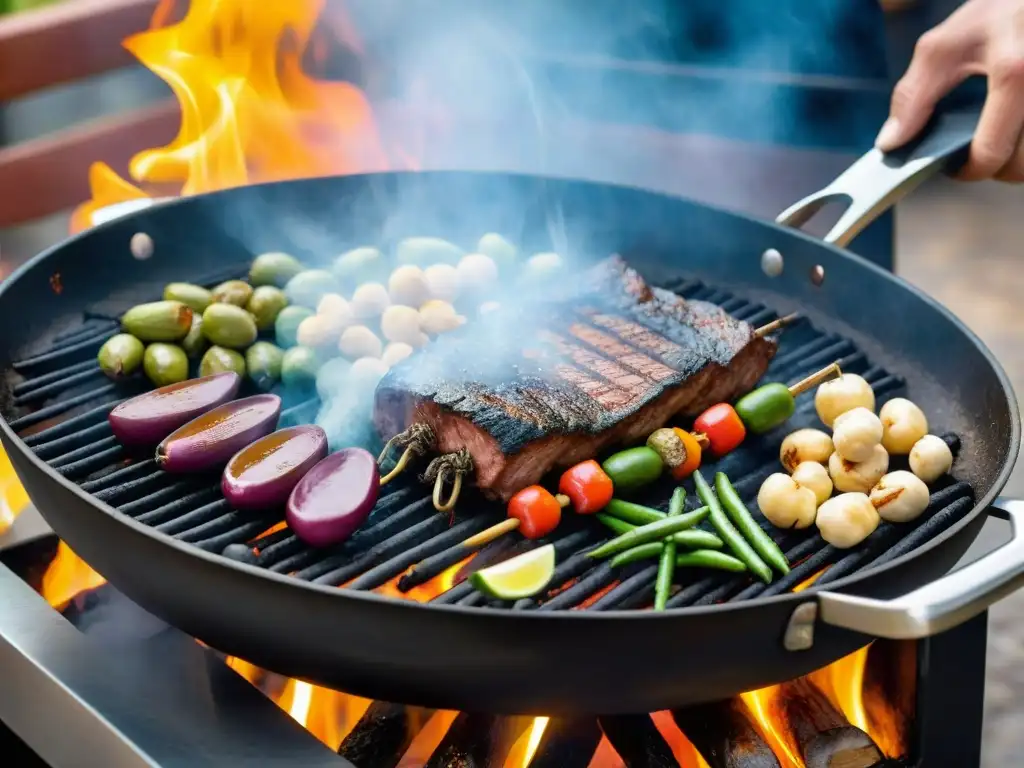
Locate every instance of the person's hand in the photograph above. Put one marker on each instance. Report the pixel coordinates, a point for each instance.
(982, 37)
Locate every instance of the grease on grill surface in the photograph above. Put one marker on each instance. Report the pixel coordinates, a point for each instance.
(69, 430)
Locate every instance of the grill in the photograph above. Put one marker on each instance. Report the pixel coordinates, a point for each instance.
(61, 402)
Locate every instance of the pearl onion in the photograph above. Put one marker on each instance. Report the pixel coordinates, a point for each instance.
(856, 433)
(400, 323)
(541, 264)
(930, 458)
(439, 316)
(369, 300)
(805, 445)
(334, 306)
(786, 504)
(498, 248)
(812, 475)
(477, 273)
(317, 331)
(840, 395)
(847, 520)
(900, 496)
(366, 372)
(903, 423)
(396, 352)
(359, 341)
(853, 476)
(407, 286)
(442, 281)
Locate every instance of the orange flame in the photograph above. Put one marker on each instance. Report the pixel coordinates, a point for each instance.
(525, 748)
(13, 498)
(249, 113)
(763, 706)
(68, 576)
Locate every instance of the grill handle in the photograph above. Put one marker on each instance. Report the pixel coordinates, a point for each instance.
(878, 180)
(942, 604)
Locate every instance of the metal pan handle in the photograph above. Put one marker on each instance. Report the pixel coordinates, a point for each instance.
(878, 180)
(942, 604)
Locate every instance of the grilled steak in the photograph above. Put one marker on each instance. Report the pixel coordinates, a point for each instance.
(556, 380)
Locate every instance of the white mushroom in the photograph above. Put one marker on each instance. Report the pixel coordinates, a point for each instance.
(439, 316)
(359, 341)
(856, 433)
(407, 286)
(396, 352)
(854, 476)
(785, 503)
(477, 273)
(442, 282)
(335, 306)
(366, 372)
(900, 496)
(903, 425)
(847, 520)
(317, 331)
(543, 264)
(840, 395)
(369, 300)
(930, 458)
(812, 475)
(805, 445)
(400, 323)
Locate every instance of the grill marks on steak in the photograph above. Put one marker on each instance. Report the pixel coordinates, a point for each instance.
(569, 377)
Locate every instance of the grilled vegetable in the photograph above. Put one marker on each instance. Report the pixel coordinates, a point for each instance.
(752, 532)
(633, 468)
(359, 266)
(370, 300)
(694, 450)
(307, 288)
(846, 520)
(723, 428)
(843, 394)
(165, 364)
(158, 321)
(442, 282)
(930, 458)
(637, 514)
(395, 352)
(407, 287)
(237, 292)
(667, 563)
(856, 433)
(425, 251)
(274, 268)
(401, 323)
(220, 359)
(210, 440)
(692, 540)
(858, 477)
(537, 511)
(359, 341)
(619, 527)
(732, 538)
(498, 248)
(900, 497)
(299, 366)
(286, 326)
(587, 486)
(814, 476)
(437, 316)
(195, 297)
(319, 332)
(228, 325)
(698, 558)
(263, 364)
(768, 406)
(263, 474)
(195, 342)
(903, 424)
(785, 503)
(152, 416)
(334, 498)
(614, 524)
(265, 305)
(655, 531)
(477, 273)
(524, 575)
(805, 445)
(669, 446)
(120, 355)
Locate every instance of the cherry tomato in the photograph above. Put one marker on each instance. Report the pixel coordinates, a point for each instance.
(587, 486)
(537, 511)
(723, 428)
(693, 454)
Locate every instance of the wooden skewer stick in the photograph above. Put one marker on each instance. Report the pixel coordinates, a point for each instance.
(828, 372)
(505, 526)
(775, 325)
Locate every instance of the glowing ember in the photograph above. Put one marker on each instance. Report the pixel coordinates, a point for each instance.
(249, 113)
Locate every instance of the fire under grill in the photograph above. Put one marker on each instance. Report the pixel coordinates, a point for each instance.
(59, 400)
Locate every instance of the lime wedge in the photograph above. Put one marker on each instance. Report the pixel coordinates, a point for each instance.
(523, 576)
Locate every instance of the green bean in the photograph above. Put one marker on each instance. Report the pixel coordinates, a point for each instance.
(667, 564)
(709, 558)
(751, 531)
(614, 524)
(695, 541)
(732, 538)
(683, 538)
(655, 531)
(637, 514)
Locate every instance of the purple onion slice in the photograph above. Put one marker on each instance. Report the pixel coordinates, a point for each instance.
(334, 498)
(262, 475)
(209, 441)
(152, 416)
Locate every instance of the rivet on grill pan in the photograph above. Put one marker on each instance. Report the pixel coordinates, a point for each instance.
(817, 274)
(141, 246)
(771, 263)
(800, 630)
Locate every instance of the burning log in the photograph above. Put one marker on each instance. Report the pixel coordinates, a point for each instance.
(382, 735)
(477, 741)
(725, 736)
(567, 744)
(638, 741)
(823, 736)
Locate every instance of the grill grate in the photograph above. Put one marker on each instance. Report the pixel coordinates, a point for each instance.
(62, 401)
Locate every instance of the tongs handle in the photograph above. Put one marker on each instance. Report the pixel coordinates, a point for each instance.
(879, 179)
